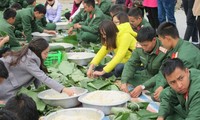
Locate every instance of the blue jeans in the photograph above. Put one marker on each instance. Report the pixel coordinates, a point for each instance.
(166, 9)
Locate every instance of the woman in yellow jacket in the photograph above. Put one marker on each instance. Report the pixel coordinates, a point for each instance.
(121, 40)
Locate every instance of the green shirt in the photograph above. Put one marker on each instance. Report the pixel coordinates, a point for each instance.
(26, 22)
(151, 61)
(144, 23)
(9, 30)
(190, 105)
(105, 7)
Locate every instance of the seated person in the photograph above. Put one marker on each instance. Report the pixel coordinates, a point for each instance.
(54, 9)
(88, 30)
(137, 19)
(7, 115)
(150, 53)
(26, 21)
(6, 24)
(16, 6)
(41, 22)
(105, 5)
(115, 9)
(180, 101)
(77, 5)
(118, 39)
(23, 106)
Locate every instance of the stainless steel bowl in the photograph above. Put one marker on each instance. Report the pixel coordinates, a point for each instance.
(45, 36)
(92, 114)
(65, 102)
(62, 25)
(81, 58)
(67, 46)
(105, 108)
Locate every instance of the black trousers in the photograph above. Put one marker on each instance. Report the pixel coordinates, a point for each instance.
(191, 30)
(152, 15)
(198, 24)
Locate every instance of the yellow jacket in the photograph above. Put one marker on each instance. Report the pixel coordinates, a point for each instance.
(125, 43)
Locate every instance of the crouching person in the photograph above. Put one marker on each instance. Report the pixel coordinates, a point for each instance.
(181, 99)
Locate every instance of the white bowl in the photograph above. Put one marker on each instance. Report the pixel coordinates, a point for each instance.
(76, 114)
(45, 36)
(67, 46)
(62, 25)
(59, 99)
(104, 100)
(80, 58)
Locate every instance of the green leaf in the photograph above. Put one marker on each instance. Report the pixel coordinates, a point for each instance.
(39, 103)
(66, 68)
(145, 114)
(3, 34)
(98, 84)
(117, 110)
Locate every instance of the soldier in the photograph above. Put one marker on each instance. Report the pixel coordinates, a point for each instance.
(105, 5)
(181, 99)
(7, 26)
(27, 18)
(115, 9)
(88, 29)
(148, 52)
(136, 19)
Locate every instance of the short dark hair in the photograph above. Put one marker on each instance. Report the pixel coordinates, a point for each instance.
(90, 3)
(9, 13)
(7, 115)
(170, 65)
(146, 34)
(23, 106)
(30, 2)
(135, 12)
(16, 6)
(40, 8)
(122, 17)
(115, 9)
(4, 71)
(168, 28)
(111, 31)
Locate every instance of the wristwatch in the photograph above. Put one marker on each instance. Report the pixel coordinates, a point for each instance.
(143, 87)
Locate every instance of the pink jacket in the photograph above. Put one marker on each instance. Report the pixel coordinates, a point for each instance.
(128, 3)
(150, 3)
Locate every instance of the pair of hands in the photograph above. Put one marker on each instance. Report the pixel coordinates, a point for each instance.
(138, 90)
(93, 74)
(76, 26)
(50, 32)
(4, 40)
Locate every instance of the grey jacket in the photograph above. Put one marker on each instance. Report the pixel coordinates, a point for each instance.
(23, 74)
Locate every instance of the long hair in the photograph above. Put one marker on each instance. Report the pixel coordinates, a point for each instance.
(37, 46)
(122, 17)
(110, 30)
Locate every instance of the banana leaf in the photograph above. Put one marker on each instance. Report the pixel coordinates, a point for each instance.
(39, 103)
(66, 68)
(3, 34)
(117, 110)
(98, 84)
(71, 39)
(135, 106)
(147, 115)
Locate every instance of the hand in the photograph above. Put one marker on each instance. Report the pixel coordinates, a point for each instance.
(2, 102)
(98, 73)
(68, 91)
(77, 26)
(137, 91)
(160, 118)
(70, 31)
(124, 87)
(157, 93)
(6, 39)
(51, 32)
(70, 19)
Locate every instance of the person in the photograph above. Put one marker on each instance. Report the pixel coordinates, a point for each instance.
(181, 99)
(120, 18)
(23, 3)
(151, 8)
(7, 115)
(166, 9)
(41, 22)
(4, 46)
(23, 106)
(3, 72)
(119, 39)
(178, 48)
(115, 9)
(88, 29)
(27, 66)
(105, 5)
(26, 21)
(5, 4)
(77, 7)
(191, 30)
(149, 52)
(54, 9)
(6, 24)
(136, 19)
(16, 6)
(196, 12)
